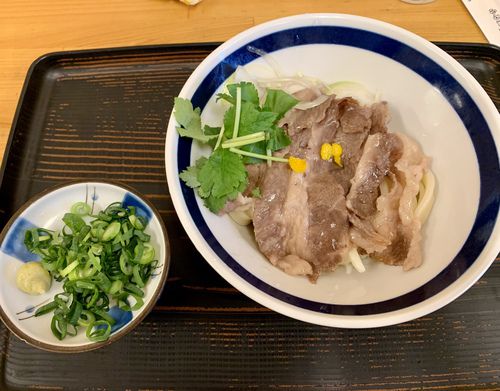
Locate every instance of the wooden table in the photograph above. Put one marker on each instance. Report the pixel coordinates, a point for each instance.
(29, 28)
(176, 347)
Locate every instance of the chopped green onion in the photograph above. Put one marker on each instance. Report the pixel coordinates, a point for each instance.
(86, 318)
(116, 287)
(59, 327)
(136, 222)
(147, 253)
(105, 316)
(96, 333)
(81, 209)
(68, 269)
(137, 276)
(107, 259)
(111, 231)
(45, 309)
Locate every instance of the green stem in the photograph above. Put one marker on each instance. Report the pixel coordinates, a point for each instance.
(238, 113)
(244, 140)
(269, 153)
(258, 155)
(219, 139)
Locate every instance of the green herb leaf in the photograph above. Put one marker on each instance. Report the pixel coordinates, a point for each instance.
(189, 120)
(256, 192)
(248, 93)
(211, 131)
(228, 98)
(190, 174)
(279, 102)
(222, 173)
(278, 139)
(215, 204)
(252, 120)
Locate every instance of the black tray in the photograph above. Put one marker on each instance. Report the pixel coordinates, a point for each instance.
(103, 114)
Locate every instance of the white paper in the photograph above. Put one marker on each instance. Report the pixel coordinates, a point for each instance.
(486, 13)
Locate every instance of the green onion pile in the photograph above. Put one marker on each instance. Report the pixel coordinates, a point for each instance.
(106, 259)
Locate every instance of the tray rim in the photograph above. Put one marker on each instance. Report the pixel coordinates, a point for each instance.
(39, 61)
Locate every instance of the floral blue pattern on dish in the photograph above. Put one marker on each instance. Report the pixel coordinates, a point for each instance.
(13, 244)
(120, 316)
(141, 208)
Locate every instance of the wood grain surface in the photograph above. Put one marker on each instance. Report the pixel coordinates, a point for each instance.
(204, 334)
(31, 28)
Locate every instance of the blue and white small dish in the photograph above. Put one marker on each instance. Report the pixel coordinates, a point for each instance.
(431, 97)
(46, 210)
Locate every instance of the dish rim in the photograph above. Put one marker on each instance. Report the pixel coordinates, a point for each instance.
(135, 320)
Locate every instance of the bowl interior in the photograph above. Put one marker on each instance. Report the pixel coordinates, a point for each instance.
(47, 212)
(419, 110)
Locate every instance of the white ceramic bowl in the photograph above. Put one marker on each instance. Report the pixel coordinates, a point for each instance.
(431, 97)
(46, 210)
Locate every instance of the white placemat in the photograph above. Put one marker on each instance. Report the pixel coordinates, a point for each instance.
(486, 13)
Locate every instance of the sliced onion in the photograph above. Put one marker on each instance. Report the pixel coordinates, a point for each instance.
(344, 89)
(309, 105)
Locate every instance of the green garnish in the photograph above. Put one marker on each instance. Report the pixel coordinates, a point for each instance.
(250, 134)
(256, 192)
(106, 257)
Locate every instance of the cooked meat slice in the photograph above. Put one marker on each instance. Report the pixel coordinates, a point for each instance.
(269, 227)
(380, 116)
(295, 266)
(255, 175)
(411, 167)
(341, 121)
(328, 234)
(353, 117)
(381, 152)
(363, 234)
(240, 202)
(387, 216)
(305, 224)
(397, 251)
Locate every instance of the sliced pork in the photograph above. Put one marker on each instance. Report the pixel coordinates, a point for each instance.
(302, 219)
(305, 224)
(383, 222)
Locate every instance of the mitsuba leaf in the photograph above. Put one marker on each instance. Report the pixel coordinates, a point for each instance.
(189, 120)
(222, 174)
(190, 174)
(248, 92)
(252, 120)
(278, 139)
(279, 102)
(211, 131)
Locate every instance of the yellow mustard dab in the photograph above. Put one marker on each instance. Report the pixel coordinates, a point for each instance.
(334, 151)
(297, 165)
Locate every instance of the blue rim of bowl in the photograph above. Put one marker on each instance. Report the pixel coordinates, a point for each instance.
(411, 58)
